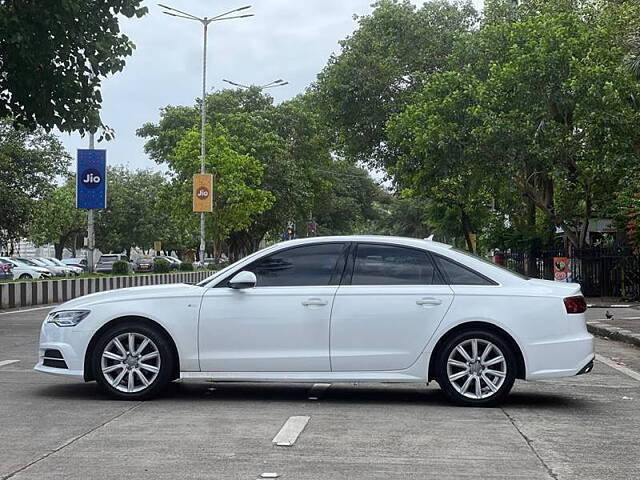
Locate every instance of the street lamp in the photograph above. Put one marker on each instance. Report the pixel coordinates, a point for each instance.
(204, 21)
(274, 84)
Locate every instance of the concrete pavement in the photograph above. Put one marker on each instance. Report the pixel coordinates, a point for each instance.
(617, 323)
(577, 428)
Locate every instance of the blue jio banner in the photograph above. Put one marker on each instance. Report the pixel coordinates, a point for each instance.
(91, 179)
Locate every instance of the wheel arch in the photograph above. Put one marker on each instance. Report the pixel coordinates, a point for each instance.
(88, 370)
(521, 369)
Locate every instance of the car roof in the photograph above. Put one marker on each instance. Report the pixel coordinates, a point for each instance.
(411, 242)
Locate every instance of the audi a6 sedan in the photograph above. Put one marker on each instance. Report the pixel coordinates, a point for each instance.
(329, 309)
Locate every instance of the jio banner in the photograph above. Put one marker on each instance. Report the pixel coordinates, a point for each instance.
(91, 179)
(202, 193)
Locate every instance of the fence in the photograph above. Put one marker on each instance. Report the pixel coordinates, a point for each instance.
(601, 272)
(23, 294)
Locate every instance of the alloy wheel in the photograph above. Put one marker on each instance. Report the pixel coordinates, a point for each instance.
(476, 368)
(130, 362)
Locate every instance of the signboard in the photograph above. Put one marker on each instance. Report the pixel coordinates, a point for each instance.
(562, 269)
(157, 246)
(203, 193)
(91, 179)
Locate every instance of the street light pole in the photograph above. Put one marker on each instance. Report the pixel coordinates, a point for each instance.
(203, 119)
(203, 107)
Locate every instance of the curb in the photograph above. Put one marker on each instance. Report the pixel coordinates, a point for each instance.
(615, 333)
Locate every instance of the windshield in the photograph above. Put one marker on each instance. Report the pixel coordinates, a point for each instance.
(57, 262)
(25, 262)
(45, 261)
(486, 260)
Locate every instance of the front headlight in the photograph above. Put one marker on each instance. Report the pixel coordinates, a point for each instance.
(67, 318)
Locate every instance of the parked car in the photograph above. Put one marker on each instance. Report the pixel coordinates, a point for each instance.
(6, 270)
(55, 271)
(174, 263)
(105, 263)
(144, 264)
(77, 262)
(26, 269)
(74, 270)
(329, 309)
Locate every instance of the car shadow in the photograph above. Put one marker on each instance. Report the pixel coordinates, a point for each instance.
(339, 394)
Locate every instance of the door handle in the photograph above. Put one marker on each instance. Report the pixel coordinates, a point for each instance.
(314, 302)
(428, 301)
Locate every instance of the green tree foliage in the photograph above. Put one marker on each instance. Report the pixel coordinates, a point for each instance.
(237, 198)
(53, 55)
(56, 219)
(291, 143)
(29, 162)
(131, 218)
(381, 65)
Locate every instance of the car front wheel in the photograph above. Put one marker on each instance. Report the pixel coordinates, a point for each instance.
(132, 361)
(476, 368)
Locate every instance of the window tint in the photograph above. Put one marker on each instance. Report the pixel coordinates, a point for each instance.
(389, 265)
(299, 266)
(459, 275)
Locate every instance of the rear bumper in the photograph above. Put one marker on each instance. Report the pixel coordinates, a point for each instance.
(560, 358)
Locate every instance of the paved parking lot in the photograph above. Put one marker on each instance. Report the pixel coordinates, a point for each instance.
(578, 428)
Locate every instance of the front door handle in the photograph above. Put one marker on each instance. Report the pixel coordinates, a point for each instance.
(428, 301)
(314, 302)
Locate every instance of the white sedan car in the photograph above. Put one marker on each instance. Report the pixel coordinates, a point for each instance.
(329, 309)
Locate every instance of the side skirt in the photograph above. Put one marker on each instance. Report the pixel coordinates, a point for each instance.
(304, 377)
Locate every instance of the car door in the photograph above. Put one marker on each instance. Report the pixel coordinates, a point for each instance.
(390, 303)
(280, 325)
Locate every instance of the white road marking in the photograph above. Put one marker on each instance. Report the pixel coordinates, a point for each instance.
(269, 475)
(4, 363)
(290, 431)
(621, 368)
(49, 307)
(318, 390)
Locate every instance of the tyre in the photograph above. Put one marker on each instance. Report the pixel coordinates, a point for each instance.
(476, 368)
(132, 361)
(25, 276)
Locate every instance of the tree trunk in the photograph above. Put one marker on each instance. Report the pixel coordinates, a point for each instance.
(466, 229)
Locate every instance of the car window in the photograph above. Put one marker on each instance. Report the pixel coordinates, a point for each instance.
(460, 275)
(298, 266)
(108, 258)
(391, 265)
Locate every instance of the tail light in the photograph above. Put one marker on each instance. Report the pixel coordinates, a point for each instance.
(575, 304)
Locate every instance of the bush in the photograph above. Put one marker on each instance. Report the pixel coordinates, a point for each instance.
(120, 268)
(160, 265)
(186, 267)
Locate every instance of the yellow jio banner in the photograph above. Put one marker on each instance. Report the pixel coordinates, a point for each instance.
(203, 192)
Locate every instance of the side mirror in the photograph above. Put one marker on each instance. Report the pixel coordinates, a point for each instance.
(243, 280)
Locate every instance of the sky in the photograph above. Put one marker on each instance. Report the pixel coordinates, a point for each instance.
(288, 39)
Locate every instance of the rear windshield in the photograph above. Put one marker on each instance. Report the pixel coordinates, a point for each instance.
(485, 260)
(108, 258)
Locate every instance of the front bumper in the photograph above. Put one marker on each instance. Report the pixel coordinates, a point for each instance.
(70, 343)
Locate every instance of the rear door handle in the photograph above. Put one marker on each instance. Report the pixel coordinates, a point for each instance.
(428, 301)
(314, 302)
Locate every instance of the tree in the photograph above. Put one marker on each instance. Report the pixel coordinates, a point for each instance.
(291, 143)
(131, 218)
(558, 108)
(56, 219)
(52, 58)
(381, 65)
(29, 162)
(237, 198)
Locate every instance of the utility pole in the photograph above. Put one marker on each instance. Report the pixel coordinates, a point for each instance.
(204, 21)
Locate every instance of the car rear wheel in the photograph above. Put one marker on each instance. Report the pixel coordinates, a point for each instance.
(476, 368)
(132, 361)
